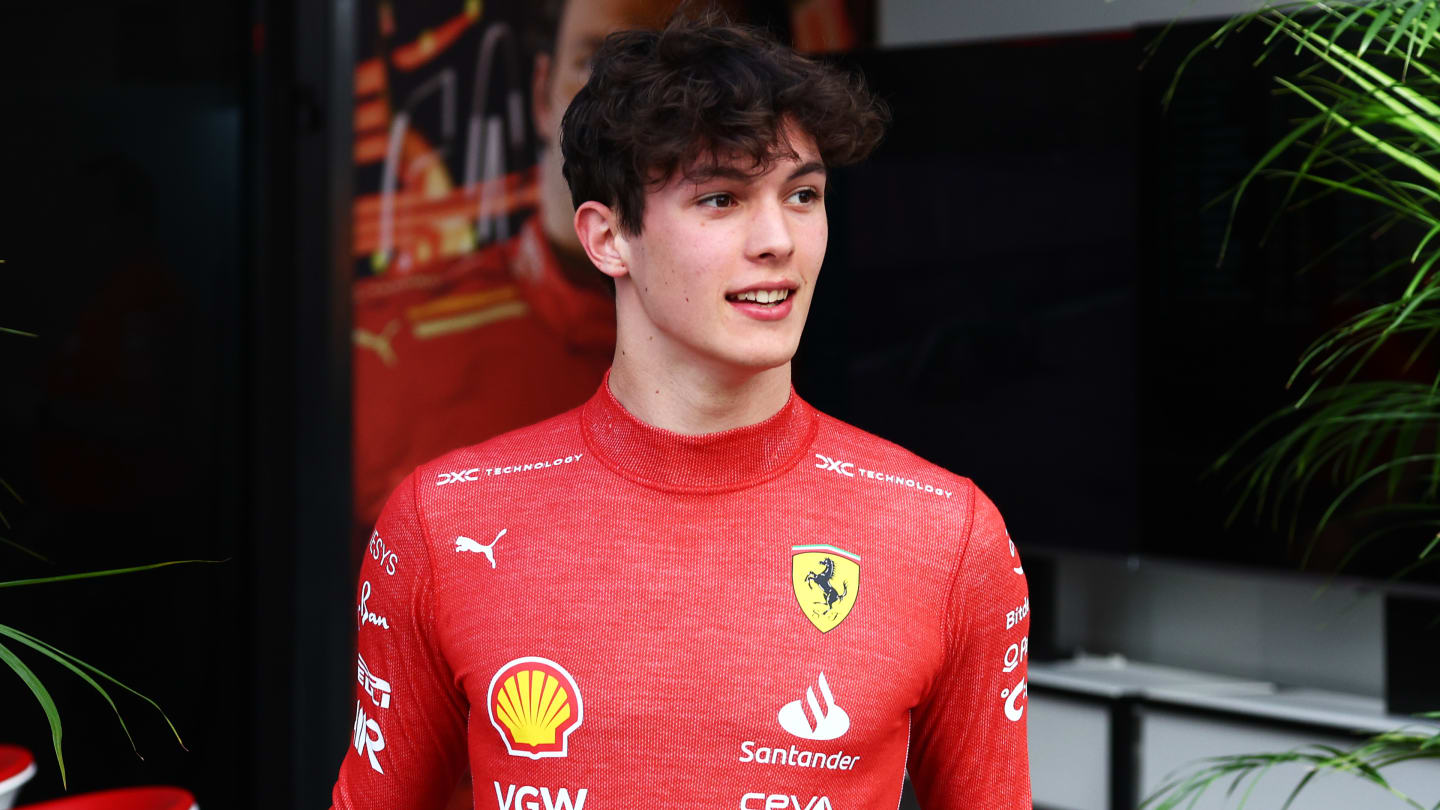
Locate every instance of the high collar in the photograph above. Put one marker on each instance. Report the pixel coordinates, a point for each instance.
(713, 462)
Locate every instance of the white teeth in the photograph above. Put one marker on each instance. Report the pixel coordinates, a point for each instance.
(762, 296)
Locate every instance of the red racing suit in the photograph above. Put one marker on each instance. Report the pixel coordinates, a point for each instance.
(596, 613)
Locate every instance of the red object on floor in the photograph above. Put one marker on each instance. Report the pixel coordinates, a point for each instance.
(135, 798)
(14, 760)
(17, 766)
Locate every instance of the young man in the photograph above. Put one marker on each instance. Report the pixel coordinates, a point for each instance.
(694, 590)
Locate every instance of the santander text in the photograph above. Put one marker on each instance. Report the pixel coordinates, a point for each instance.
(750, 751)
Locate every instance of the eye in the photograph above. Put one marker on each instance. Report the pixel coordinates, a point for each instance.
(721, 200)
(804, 196)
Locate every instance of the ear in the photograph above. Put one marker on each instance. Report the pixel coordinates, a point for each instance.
(599, 232)
(541, 112)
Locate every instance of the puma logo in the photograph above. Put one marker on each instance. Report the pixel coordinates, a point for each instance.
(466, 544)
(379, 343)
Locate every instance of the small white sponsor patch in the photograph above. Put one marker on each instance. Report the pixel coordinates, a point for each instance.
(377, 688)
(1013, 710)
(534, 465)
(849, 470)
(778, 801)
(364, 615)
(1017, 615)
(526, 797)
(367, 737)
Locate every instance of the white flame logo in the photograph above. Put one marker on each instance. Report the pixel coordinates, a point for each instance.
(831, 723)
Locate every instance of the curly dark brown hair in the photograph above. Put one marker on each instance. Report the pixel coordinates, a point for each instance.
(695, 95)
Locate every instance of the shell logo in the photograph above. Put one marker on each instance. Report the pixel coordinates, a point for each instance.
(535, 705)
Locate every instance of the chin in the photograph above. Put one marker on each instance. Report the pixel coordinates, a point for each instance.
(764, 360)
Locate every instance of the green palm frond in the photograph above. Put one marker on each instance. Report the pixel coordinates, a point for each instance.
(82, 670)
(1370, 83)
(1366, 761)
(86, 672)
(1369, 130)
(111, 572)
(43, 696)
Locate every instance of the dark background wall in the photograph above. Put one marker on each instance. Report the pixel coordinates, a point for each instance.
(167, 235)
(978, 302)
(122, 422)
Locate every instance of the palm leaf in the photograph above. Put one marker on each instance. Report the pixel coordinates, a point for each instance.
(46, 702)
(16, 583)
(11, 543)
(68, 659)
(11, 633)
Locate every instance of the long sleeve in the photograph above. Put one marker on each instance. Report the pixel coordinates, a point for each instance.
(968, 739)
(407, 746)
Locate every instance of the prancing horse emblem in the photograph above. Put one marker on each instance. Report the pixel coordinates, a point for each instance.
(822, 581)
(466, 544)
(827, 583)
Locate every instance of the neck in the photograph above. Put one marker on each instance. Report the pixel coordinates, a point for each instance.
(695, 398)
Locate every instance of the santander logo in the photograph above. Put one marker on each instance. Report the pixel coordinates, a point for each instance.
(830, 722)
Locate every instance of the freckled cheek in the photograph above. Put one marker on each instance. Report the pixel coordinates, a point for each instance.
(813, 242)
(819, 230)
(704, 282)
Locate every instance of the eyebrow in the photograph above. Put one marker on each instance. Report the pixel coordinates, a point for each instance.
(732, 173)
(813, 166)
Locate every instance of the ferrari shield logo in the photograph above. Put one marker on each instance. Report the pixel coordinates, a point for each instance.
(827, 583)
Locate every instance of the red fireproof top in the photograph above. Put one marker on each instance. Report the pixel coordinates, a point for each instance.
(603, 614)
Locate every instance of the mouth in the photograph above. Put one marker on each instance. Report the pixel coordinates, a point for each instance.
(764, 298)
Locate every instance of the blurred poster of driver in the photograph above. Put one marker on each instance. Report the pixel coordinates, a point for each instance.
(500, 337)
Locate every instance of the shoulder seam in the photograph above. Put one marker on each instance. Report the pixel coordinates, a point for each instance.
(425, 541)
(945, 620)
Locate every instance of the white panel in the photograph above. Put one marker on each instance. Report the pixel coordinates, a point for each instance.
(1171, 741)
(1242, 623)
(914, 22)
(1069, 753)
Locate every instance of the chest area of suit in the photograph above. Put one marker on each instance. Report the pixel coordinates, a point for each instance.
(759, 631)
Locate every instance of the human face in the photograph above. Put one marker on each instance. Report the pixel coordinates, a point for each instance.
(710, 252)
(559, 76)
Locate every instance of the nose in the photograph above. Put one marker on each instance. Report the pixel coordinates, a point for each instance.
(769, 239)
